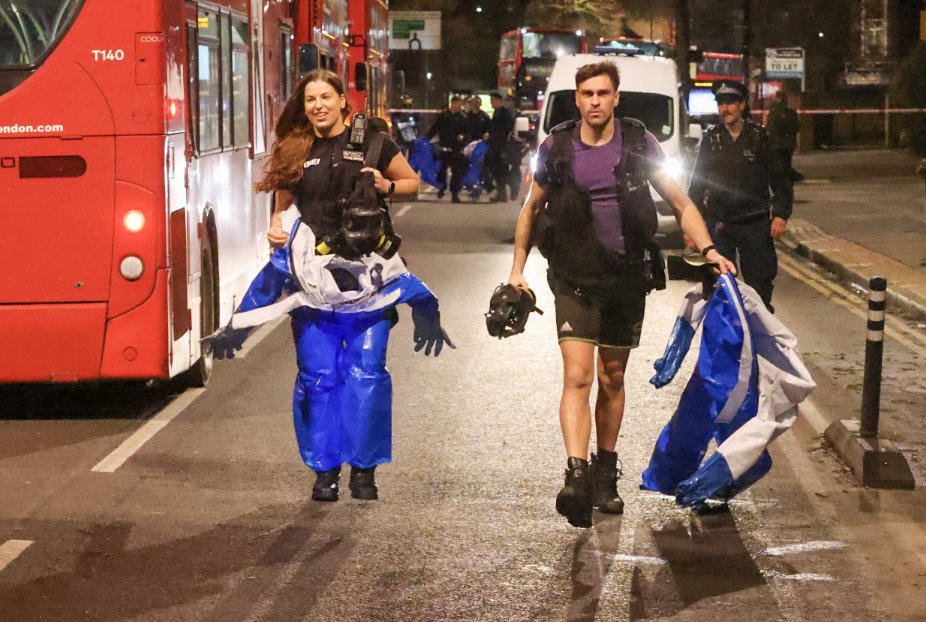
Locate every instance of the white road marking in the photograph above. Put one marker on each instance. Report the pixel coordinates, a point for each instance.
(11, 549)
(135, 442)
(646, 560)
(801, 576)
(805, 547)
(403, 210)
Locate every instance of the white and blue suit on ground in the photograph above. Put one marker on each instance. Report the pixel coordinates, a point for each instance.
(342, 401)
(743, 393)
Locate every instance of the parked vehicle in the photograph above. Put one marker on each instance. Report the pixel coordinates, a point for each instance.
(130, 136)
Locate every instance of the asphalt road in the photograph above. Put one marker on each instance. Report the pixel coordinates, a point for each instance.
(210, 519)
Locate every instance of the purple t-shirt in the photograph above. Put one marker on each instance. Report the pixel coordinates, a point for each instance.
(593, 168)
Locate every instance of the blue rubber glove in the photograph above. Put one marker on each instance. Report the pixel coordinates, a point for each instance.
(428, 333)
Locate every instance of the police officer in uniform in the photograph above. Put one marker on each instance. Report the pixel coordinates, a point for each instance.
(736, 178)
(500, 127)
(452, 131)
(342, 401)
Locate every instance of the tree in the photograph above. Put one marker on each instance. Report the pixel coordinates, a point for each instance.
(591, 15)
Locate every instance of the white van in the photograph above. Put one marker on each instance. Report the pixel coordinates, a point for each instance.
(649, 92)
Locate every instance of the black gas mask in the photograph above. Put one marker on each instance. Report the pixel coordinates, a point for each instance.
(509, 309)
(365, 225)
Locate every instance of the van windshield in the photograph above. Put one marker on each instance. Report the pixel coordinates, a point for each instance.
(29, 29)
(654, 110)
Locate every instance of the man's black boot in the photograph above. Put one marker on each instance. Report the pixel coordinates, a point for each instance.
(455, 198)
(605, 473)
(326, 485)
(362, 485)
(574, 501)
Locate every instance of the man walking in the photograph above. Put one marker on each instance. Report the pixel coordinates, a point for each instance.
(736, 176)
(590, 210)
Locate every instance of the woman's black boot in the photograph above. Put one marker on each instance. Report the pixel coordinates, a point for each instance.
(326, 485)
(574, 501)
(362, 485)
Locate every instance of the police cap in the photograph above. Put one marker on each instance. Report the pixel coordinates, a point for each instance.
(729, 91)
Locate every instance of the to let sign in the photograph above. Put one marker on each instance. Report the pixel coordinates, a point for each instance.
(784, 63)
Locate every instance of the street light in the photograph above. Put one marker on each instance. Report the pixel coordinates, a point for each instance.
(427, 90)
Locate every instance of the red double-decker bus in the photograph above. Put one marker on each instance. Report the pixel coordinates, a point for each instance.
(321, 35)
(526, 57)
(714, 66)
(369, 57)
(130, 136)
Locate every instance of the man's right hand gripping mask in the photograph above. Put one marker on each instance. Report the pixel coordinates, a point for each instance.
(509, 309)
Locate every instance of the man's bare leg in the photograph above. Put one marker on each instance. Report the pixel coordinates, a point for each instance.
(574, 501)
(609, 413)
(575, 416)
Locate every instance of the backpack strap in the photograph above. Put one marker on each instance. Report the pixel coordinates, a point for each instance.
(372, 148)
(633, 166)
(559, 161)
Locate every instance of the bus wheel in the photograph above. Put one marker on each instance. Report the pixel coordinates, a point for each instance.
(201, 371)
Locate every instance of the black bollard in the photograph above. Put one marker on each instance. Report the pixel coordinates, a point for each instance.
(874, 350)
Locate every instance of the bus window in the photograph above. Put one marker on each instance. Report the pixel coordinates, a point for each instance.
(207, 77)
(24, 42)
(225, 44)
(239, 90)
(259, 113)
(550, 44)
(286, 60)
(509, 47)
(193, 99)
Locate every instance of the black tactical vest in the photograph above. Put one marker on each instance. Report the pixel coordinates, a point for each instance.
(564, 233)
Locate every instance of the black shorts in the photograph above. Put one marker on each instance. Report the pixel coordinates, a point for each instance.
(612, 320)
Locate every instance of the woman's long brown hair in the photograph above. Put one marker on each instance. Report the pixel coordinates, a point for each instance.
(295, 135)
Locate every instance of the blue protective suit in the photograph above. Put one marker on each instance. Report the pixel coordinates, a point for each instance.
(421, 159)
(342, 401)
(472, 180)
(743, 392)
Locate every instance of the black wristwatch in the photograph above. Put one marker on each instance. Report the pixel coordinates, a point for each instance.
(391, 188)
(708, 249)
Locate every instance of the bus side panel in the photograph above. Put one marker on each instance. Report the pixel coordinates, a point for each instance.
(57, 220)
(136, 342)
(115, 56)
(57, 343)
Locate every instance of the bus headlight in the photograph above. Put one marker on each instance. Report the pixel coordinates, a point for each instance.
(131, 268)
(674, 168)
(134, 221)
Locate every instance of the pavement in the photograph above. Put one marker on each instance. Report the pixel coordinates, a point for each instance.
(857, 228)
(861, 214)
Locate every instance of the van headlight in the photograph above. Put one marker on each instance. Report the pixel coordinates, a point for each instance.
(674, 168)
